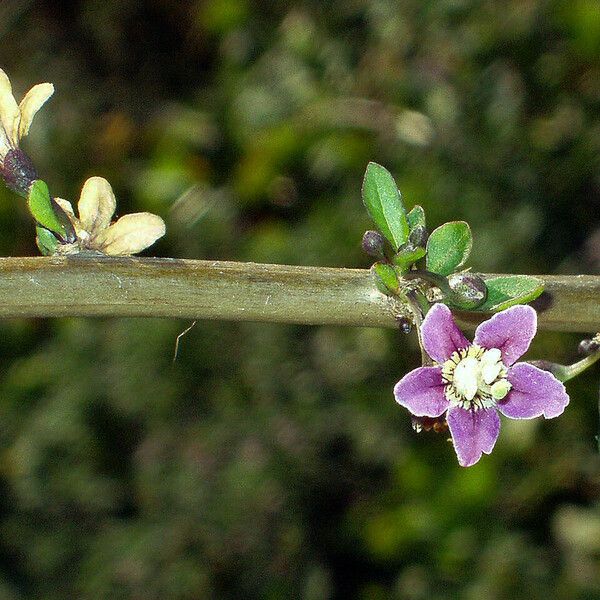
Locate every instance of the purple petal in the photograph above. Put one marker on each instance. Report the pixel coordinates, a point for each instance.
(441, 336)
(422, 392)
(511, 331)
(473, 432)
(534, 393)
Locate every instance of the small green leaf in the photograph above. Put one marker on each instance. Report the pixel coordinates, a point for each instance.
(416, 216)
(46, 242)
(386, 278)
(408, 256)
(384, 204)
(509, 290)
(41, 207)
(448, 247)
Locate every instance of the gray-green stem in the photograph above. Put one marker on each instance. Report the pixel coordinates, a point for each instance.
(195, 289)
(566, 372)
(419, 306)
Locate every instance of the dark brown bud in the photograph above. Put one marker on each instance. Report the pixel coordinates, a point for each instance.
(18, 172)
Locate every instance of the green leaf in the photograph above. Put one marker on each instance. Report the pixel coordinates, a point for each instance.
(448, 247)
(509, 290)
(386, 278)
(46, 242)
(408, 256)
(384, 204)
(416, 216)
(41, 207)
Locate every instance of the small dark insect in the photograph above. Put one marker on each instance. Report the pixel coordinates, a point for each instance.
(405, 325)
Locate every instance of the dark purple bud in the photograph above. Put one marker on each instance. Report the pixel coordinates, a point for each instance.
(373, 244)
(468, 290)
(18, 172)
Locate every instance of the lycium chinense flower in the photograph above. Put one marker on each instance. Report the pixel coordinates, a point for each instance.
(15, 120)
(471, 382)
(128, 235)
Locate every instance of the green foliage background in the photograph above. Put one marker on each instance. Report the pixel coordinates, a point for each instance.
(271, 461)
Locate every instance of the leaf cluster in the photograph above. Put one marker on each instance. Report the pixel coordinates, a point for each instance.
(438, 257)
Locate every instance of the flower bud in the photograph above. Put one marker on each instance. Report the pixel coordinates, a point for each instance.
(468, 290)
(373, 244)
(18, 172)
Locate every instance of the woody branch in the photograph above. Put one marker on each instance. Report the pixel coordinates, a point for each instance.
(195, 289)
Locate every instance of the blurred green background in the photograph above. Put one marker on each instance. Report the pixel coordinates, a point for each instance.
(271, 461)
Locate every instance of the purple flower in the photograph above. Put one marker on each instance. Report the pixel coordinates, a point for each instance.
(471, 382)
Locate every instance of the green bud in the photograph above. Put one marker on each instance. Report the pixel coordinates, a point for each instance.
(468, 290)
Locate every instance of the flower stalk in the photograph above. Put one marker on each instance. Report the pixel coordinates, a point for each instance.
(566, 372)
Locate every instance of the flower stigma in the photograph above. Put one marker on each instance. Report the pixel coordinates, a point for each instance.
(475, 378)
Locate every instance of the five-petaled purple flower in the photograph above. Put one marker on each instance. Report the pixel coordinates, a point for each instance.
(471, 382)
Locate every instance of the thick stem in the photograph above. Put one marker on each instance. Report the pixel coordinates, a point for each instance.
(164, 287)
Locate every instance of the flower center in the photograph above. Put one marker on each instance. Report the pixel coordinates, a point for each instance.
(475, 378)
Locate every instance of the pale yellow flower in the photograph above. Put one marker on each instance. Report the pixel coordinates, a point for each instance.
(15, 119)
(129, 235)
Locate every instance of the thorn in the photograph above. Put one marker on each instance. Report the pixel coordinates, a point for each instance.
(178, 338)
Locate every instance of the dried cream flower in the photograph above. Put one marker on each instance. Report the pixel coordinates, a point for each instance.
(15, 119)
(129, 235)
(16, 169)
